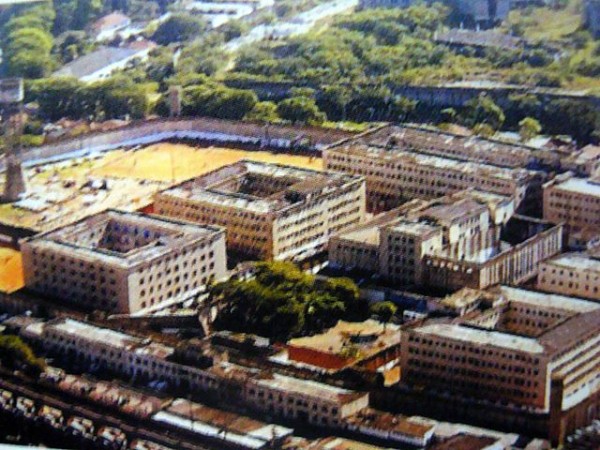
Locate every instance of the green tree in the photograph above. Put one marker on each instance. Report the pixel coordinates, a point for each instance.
(56, 97)
(179, 28)
(483, 111)
(15, 354)
(529, 128)
(218, 101)
(265, 112)
(85, 11)
(282, 302)
(300, 110)
(385, 311)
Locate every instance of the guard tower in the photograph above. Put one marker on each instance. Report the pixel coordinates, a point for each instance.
(11, 117)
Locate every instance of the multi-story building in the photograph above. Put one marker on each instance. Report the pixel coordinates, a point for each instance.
(576, 274)
(576, 203)
(124, 262)
(270, 211)
(117, 352)
(584, 162)
(591, 16)
(403, 163)
(470, 238)
(512, 352)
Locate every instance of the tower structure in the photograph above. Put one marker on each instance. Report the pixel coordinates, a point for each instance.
(11, 103)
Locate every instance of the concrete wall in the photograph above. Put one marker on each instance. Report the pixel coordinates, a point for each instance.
(202, 130)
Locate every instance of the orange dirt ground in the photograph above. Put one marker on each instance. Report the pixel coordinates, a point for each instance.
(174, 162)
(11, 270)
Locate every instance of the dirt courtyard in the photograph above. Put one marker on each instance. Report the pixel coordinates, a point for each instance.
(177, 162)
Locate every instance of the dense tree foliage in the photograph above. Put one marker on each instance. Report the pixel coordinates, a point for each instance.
(68, 97)
(15, 354)
(483, 111)
(302, 110)
(215, 100)
(263, 112)
(385, 311)
(529, 128)
(26, 42)
(179, 28)
(282, 302)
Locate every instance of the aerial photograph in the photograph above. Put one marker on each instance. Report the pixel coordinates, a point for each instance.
(300, 224)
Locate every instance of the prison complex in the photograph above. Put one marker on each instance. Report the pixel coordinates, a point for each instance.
(468, 239)
(270, 211)
(403, 163)
(124, 262)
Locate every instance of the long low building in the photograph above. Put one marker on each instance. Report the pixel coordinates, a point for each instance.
(407, 163)
(120, 353)
(270, 211)
(511, 352)
(124, 262)
(229, 429)
(468, 239)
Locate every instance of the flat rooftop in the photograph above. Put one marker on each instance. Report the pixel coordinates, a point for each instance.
(103, 336)
(584, 186)
(413, 158)
(260, 187)
(462, 298)
(576, 261)
(458, 210)
(311, 389)
(541, 299)
(379, 420)
(465, 442)
(483, 337)
(223, 420)
(367, 235)
(101, 237)
(414, 227)
(370, 336)
(420, 139)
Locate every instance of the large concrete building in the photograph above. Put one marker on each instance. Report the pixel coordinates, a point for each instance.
(483, 12)
(124, 262)
(515, 352)
(270, 211)
(576, 274)
(470, 238)
(403, 163)
(576, 203)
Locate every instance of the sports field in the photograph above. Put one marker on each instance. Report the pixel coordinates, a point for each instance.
(174, 162)
(11, 270)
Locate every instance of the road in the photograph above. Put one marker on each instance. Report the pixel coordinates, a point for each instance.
(300, 24)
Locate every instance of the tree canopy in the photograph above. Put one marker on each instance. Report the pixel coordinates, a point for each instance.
(15, 354)
(282, 302)
(179, 28)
